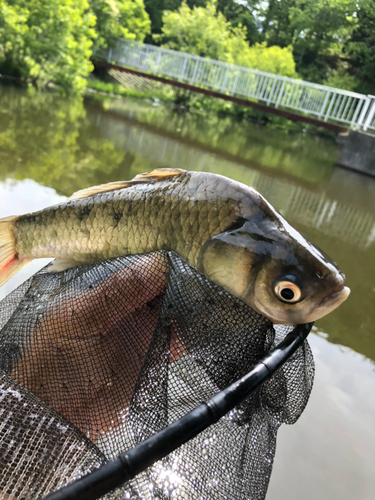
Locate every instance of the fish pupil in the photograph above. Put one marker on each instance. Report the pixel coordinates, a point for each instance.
(287, 294)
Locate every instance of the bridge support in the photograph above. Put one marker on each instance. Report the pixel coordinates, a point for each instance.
(357, 152)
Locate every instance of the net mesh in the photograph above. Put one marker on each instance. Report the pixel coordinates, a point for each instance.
(100, 357)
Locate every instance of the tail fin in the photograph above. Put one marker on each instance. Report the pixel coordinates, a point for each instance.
(10, 262)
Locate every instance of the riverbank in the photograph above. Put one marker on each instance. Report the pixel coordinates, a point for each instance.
(128, 85)
(101, 83)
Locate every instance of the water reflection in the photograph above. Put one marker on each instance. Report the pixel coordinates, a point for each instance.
(304, 156)
(314, 209)
(50, 140)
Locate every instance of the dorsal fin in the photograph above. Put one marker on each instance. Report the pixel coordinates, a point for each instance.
(160, 173)
(102, 188)
(156, 175)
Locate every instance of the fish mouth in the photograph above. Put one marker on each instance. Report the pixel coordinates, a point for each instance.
(329, 303)
(335, 298)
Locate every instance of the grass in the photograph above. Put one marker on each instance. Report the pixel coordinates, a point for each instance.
(115, 89)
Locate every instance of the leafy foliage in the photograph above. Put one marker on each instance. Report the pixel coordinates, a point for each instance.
(119, 19)
(341, 79)
(318, 31)
(47, 40)
(205, 32)
(361, 47)
(200, 31)
(51, 40)
(240, 14)
(155, 9)
(270, 59)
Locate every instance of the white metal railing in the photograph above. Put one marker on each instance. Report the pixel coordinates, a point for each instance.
(369, 122)
(325, 103)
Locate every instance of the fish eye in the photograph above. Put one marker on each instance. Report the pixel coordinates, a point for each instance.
(287, 291)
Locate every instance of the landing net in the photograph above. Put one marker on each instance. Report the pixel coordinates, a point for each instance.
(98, 358)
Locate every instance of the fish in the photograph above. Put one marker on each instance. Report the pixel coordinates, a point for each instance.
(223, 228)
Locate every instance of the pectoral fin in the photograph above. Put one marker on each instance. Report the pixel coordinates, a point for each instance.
(61, 265)
(226, 264)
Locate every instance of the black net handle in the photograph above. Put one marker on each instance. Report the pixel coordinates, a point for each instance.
(130, 463)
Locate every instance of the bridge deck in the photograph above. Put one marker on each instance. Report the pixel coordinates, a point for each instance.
(243, 102)
(289, 97)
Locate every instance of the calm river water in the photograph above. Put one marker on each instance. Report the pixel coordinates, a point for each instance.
(51, 147)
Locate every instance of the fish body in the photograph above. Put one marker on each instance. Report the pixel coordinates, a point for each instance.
(177, 212)
(225, 229)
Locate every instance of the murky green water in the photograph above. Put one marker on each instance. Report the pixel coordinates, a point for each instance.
(51, 147)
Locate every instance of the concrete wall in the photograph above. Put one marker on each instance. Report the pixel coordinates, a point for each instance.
(357, 151)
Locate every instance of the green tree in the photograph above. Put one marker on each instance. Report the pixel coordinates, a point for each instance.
(205, 32)
(51, 40)
(317, 30)
(361, 47)
(276, 25)
(47, 40)
(270, 59)
(320, 31)
(199, 31)
(119, 19)
(341, 78)
(155, 9)
(241, 14)
(236, 13)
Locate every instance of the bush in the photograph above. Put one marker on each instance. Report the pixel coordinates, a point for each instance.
(341, 79)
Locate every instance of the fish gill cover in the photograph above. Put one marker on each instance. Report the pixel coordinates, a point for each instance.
(100, 357)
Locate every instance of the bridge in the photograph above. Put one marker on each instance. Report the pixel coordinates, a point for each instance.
(297, 100)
